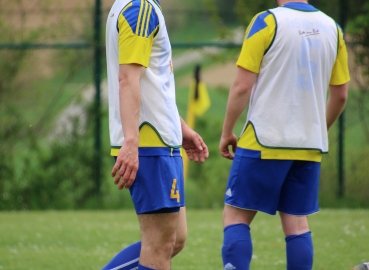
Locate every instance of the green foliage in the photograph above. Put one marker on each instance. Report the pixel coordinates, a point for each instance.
(358, 29)
(246, 10)
(12, 61)
(215, 12)
(331, 8)
(207, 181)
(46, 175)
(12, 130)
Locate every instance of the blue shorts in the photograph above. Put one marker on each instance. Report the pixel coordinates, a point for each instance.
(159, 183)
(288, 186)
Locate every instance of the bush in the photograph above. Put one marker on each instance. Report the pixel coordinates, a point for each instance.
(45, 175)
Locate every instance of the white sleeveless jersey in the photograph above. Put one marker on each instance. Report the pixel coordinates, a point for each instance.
(288, 100)
(158, 102)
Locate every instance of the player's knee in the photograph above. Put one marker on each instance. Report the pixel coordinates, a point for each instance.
(179, 244)
(167, 247)
(166, 242)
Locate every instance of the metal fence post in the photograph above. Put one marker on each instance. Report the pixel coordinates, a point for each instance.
(341, 120)
(97, 108)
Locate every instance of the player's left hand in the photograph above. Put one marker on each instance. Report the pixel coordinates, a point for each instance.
(193, 144)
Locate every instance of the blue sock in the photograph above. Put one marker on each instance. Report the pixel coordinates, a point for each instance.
(141, 267)
(237, 247)
(126, 259)
(299, 251)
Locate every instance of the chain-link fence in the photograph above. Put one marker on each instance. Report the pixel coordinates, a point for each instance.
(54, 150)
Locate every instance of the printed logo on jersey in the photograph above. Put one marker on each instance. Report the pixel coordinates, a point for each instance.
(307, 33)
(229, 193)
(229, 266)
(174, 193)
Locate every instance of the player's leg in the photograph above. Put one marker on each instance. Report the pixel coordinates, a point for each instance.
(253, 185)
(158, 235)
(237, 243)
(168, 192)
(159, 185)
(128, 258)
(299, 244)
(299, 198)
(181, 232)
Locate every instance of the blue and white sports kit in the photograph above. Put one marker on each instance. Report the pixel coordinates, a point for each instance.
(136, 34)
(297, 52)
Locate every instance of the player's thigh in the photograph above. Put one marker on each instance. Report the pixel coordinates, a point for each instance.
(158, 229)
(299, 193)
(182, 225)
(159, 182)
(255, 183)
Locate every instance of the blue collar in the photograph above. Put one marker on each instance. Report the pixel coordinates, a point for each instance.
(300, 6)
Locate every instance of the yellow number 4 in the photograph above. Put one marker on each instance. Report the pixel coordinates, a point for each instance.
(174, 194)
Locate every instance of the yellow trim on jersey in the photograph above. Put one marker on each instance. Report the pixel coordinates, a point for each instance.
(133, 49)
(147, 21)
(254, 47)
(143, 22)
(248, 141)
(114, 152)
(148, 138)
(142, 5)
(340, 71)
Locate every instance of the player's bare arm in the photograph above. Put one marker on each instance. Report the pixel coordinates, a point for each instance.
(238, 99)
(126, 166)
(193, 144)
(336, 102)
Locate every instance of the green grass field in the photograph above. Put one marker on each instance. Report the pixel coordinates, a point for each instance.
(87, 240)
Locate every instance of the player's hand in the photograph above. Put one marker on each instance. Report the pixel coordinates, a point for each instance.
(193, 144)
(225, 142)
(126, 166)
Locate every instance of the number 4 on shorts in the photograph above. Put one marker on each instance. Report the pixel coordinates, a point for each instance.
(174, 194)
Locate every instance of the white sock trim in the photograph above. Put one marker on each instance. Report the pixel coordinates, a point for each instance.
(125, 264)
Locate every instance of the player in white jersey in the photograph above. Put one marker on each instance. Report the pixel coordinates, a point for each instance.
(290, 56)
(146, 132)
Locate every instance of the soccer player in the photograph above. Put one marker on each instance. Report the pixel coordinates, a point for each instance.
(290, 57)
(146, 132)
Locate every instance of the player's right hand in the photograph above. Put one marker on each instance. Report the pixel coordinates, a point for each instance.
(225, 142)
(126, 166)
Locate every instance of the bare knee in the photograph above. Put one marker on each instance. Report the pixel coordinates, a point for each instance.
(158, 235)
(233, 215)
(294, 225)
(180, 242)
(167, 247)
(181, 233)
